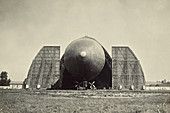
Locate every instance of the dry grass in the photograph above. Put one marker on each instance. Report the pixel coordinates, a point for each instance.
(21, 101)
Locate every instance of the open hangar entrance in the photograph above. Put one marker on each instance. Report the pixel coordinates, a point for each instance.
(86, 64)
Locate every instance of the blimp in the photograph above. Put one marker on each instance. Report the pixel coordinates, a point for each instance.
(85, 64)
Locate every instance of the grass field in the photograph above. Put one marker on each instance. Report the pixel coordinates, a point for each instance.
(96, 101)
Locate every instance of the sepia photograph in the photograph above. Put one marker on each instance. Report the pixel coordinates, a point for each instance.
(85, 56)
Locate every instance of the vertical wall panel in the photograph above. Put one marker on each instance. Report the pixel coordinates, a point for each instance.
(126, 69)
(44, 68)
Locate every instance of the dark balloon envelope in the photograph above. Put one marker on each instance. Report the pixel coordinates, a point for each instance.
(84, 59)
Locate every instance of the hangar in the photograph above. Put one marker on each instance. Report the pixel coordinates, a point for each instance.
(85, 64)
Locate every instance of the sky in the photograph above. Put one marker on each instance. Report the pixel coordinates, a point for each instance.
(28, 25)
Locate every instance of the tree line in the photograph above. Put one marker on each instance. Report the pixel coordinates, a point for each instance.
(4, 81)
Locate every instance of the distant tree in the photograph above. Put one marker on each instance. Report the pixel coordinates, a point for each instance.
(4, 75)
(163, 81)
(4, 81)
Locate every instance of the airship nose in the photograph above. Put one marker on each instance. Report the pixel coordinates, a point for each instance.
(84, 58)
(83, 54)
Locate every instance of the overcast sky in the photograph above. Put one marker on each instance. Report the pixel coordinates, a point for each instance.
(28, 25)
